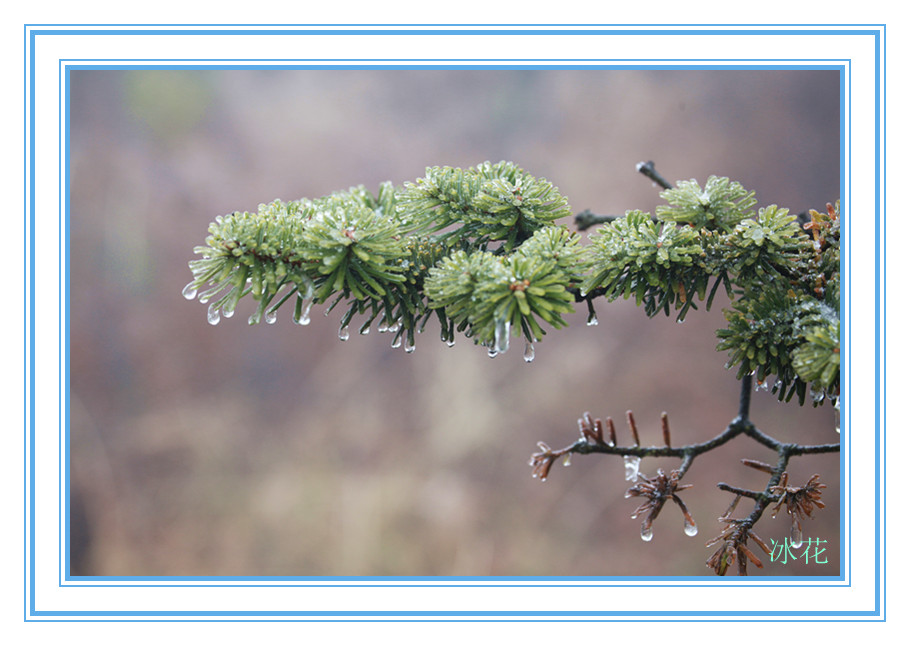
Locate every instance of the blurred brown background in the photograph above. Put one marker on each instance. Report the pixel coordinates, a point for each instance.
(278, 450)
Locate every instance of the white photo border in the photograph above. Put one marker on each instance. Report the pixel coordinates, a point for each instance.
(52, 51)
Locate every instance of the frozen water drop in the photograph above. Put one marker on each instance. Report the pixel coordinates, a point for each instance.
(383, 327)
(690, 528)
(214, 314)
(529, 352)
(837, 414)
(567, 461)
(365, 330)
(228, 310)
(189, 292)
(646, 533)
(304, 318)
(631, 463)
(409, 347)
(450, 342)
(271, 316)
(796, 536)
(492, 353)
(344, 333)
(501, 335)
(628, 494)
(396, 342)
(592, 319)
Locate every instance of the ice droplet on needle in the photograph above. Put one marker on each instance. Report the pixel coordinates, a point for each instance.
(691, 529)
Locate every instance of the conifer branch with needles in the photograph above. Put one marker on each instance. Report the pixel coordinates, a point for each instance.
(481, 251)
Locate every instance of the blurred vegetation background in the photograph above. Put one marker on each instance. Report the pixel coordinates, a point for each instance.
(278, 450)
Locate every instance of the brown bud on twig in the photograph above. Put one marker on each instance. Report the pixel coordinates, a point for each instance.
(612, 430)
(755, 464)
(631, 420)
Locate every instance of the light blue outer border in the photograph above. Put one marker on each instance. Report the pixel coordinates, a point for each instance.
(194, 30)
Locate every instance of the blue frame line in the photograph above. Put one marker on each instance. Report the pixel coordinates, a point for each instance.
(30, 371)
(818, 64)
(880, 319)
(722, 30)
(877, 31)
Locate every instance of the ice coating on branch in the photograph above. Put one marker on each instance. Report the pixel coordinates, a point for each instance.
(631, 463)
(501, 336)
(214, 314)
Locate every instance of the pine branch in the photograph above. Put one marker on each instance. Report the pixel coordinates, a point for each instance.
(480, 249)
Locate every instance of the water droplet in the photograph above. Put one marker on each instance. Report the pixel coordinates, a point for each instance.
(271, 316)
(567, 461)
(492, 353)
(631, 463)
(394, 327)
(796, 536)
(837, 414)
(450, 342)
(646, 533)
(396, 342)
(529, 352)
(501, 335)
(383, 326)
(628, 494)
(214, 314)
(365, 330)
(304, 318)
(690, 528)
(592, 319)
(189, 292)
(409, 347)
(344, 333)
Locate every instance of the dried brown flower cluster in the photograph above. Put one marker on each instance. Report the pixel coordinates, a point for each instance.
(800, 503)
(658, 490)
(542, 461)
(733, 547)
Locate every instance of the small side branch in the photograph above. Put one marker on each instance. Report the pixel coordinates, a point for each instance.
(647, 169)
